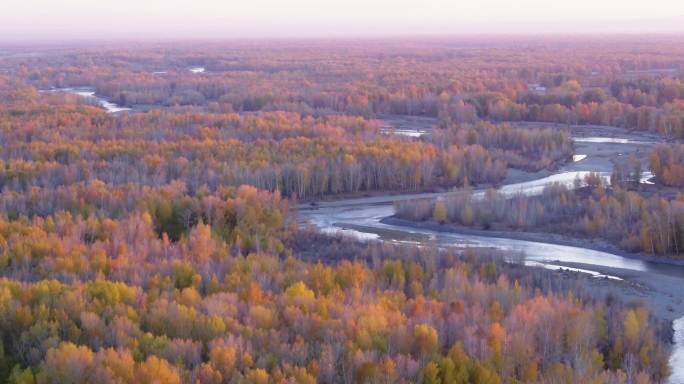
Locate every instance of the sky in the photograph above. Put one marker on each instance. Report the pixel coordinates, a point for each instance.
(171, 19)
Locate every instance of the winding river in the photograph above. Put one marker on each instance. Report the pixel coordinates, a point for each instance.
(89, 94)
(660, 284)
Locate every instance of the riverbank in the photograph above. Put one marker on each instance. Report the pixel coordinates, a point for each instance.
(659, 291)
(539, 237)
(600, 157)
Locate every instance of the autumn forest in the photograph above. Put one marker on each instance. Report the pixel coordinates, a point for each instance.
(171, 213)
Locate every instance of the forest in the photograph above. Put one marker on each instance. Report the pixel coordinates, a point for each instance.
(626, 82)
(667, 163)
(102, 300)
(163, 244)
(300, 156)
(636, 219)
(652, 225)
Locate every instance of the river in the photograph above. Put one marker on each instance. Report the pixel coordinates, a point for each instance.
(362, 218)
(89, 94)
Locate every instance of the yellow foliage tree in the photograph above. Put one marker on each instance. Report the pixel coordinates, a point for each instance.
(425, 339)
(439, 213)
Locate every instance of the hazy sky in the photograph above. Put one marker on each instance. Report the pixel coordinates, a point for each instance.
(87, 19)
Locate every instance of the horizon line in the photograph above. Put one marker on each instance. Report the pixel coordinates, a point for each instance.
(344, 37)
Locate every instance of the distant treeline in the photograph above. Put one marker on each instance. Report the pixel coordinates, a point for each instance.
(616, 83)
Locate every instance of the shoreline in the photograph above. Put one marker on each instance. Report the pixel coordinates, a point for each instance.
(538, 237)
(600, 158)
(660, 292)
(513, 176)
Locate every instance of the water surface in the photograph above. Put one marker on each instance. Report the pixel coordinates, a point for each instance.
(89, 94)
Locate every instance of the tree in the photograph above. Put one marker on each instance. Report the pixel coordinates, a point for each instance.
(425, 339)
(155, 370)
(68, 363)
(431, 374)
(440, 212)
